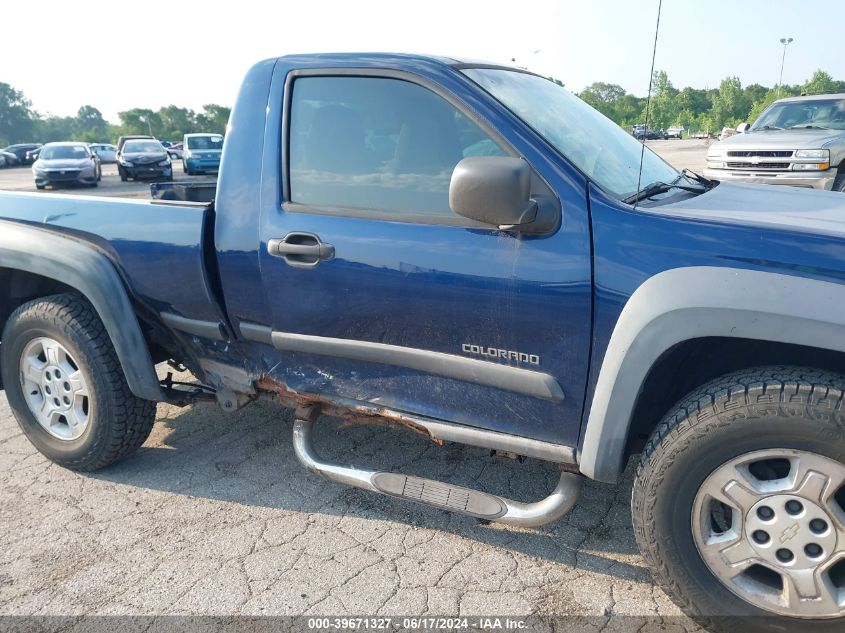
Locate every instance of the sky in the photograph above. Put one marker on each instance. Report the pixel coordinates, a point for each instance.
(117, 55)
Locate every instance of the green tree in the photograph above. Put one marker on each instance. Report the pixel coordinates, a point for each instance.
(730, 105)
(822, 82)
(139, 121)
(663, 110)
(213, 118)
(55, 128)
(90, 125)
(603, 97)
(16, 116)
(176, 122)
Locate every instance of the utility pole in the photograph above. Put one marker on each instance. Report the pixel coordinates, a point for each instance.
(786, 41)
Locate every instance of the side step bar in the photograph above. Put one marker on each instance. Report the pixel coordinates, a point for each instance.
(436, 493)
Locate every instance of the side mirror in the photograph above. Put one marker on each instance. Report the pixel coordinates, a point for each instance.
(493, 189)
(742, 128)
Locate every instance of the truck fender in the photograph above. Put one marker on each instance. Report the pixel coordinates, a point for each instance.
(696, 302)
(87, 270)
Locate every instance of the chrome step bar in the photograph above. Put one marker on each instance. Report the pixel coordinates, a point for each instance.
(439, 494)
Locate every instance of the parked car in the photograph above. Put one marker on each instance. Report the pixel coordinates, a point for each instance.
(641, 132)
(132, 137)
(201, 153)
(20, 150)
(675, 132)
(105, 151)
(66, 164)
(175, 151)
(798, 141)
(145, 159)
(464, 250)
(9, 159)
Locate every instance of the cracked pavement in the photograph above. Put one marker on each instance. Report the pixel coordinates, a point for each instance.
(214, 516)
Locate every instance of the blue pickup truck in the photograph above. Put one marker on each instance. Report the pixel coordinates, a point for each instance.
(471, 252)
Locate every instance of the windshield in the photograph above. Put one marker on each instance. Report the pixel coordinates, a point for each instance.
(142, 147)
(205, 142)
(63, 152)
(822, 113)
(593, 143)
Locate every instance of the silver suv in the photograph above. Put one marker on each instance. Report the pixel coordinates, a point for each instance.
(799, 141)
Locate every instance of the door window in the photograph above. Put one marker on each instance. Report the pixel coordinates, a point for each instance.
(377, 145)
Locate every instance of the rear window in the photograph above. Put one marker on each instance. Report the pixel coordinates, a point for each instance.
(142, 147)
(205, 142)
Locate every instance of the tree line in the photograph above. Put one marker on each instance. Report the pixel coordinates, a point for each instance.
(698, 110)
(20, 123)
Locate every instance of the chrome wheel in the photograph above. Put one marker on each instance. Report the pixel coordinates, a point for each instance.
(770, 525)
(55, 388)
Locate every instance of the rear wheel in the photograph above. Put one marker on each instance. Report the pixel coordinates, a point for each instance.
(66, 387)
(739, 502)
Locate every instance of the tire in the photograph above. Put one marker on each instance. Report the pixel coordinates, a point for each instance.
(117, 422)
(839, 182)
(122, 174)
(40, 187)
(774, 410)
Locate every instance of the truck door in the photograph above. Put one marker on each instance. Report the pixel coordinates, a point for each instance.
(380, 293)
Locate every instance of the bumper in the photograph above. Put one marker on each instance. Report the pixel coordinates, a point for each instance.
(69, 178)
(203, 164)
(811, 180)
(147, 171)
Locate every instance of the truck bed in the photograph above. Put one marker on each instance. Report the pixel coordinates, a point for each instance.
(156, 247)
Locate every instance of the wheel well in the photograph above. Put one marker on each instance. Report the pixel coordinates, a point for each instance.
(692, 363)
(19, 286)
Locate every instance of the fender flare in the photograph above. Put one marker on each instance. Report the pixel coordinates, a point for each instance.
(87, 270)
(682, 304)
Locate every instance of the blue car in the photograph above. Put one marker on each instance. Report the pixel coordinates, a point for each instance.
(201, 153)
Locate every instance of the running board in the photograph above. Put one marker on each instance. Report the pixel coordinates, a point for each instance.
(438, 494)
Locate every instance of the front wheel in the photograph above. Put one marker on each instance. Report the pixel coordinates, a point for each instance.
(66, 386)
(739, 502)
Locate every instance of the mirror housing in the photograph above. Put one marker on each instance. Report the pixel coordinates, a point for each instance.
(742, 128)
(495, 190)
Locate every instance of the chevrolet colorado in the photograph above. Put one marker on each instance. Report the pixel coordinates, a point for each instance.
(471, 252)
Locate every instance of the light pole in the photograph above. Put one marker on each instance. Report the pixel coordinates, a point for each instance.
(786, 41)
(146, 119)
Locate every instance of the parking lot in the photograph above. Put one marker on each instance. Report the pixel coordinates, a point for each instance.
(20, 179)
(214, 516)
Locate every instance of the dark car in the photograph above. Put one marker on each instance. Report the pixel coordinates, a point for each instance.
(8, 159)
(143, 158)
(66, 163)
(20, 150)
(133, 137)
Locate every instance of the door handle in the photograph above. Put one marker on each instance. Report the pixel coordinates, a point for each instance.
(301, 250)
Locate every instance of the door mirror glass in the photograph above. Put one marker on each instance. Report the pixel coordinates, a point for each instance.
(493, 189)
